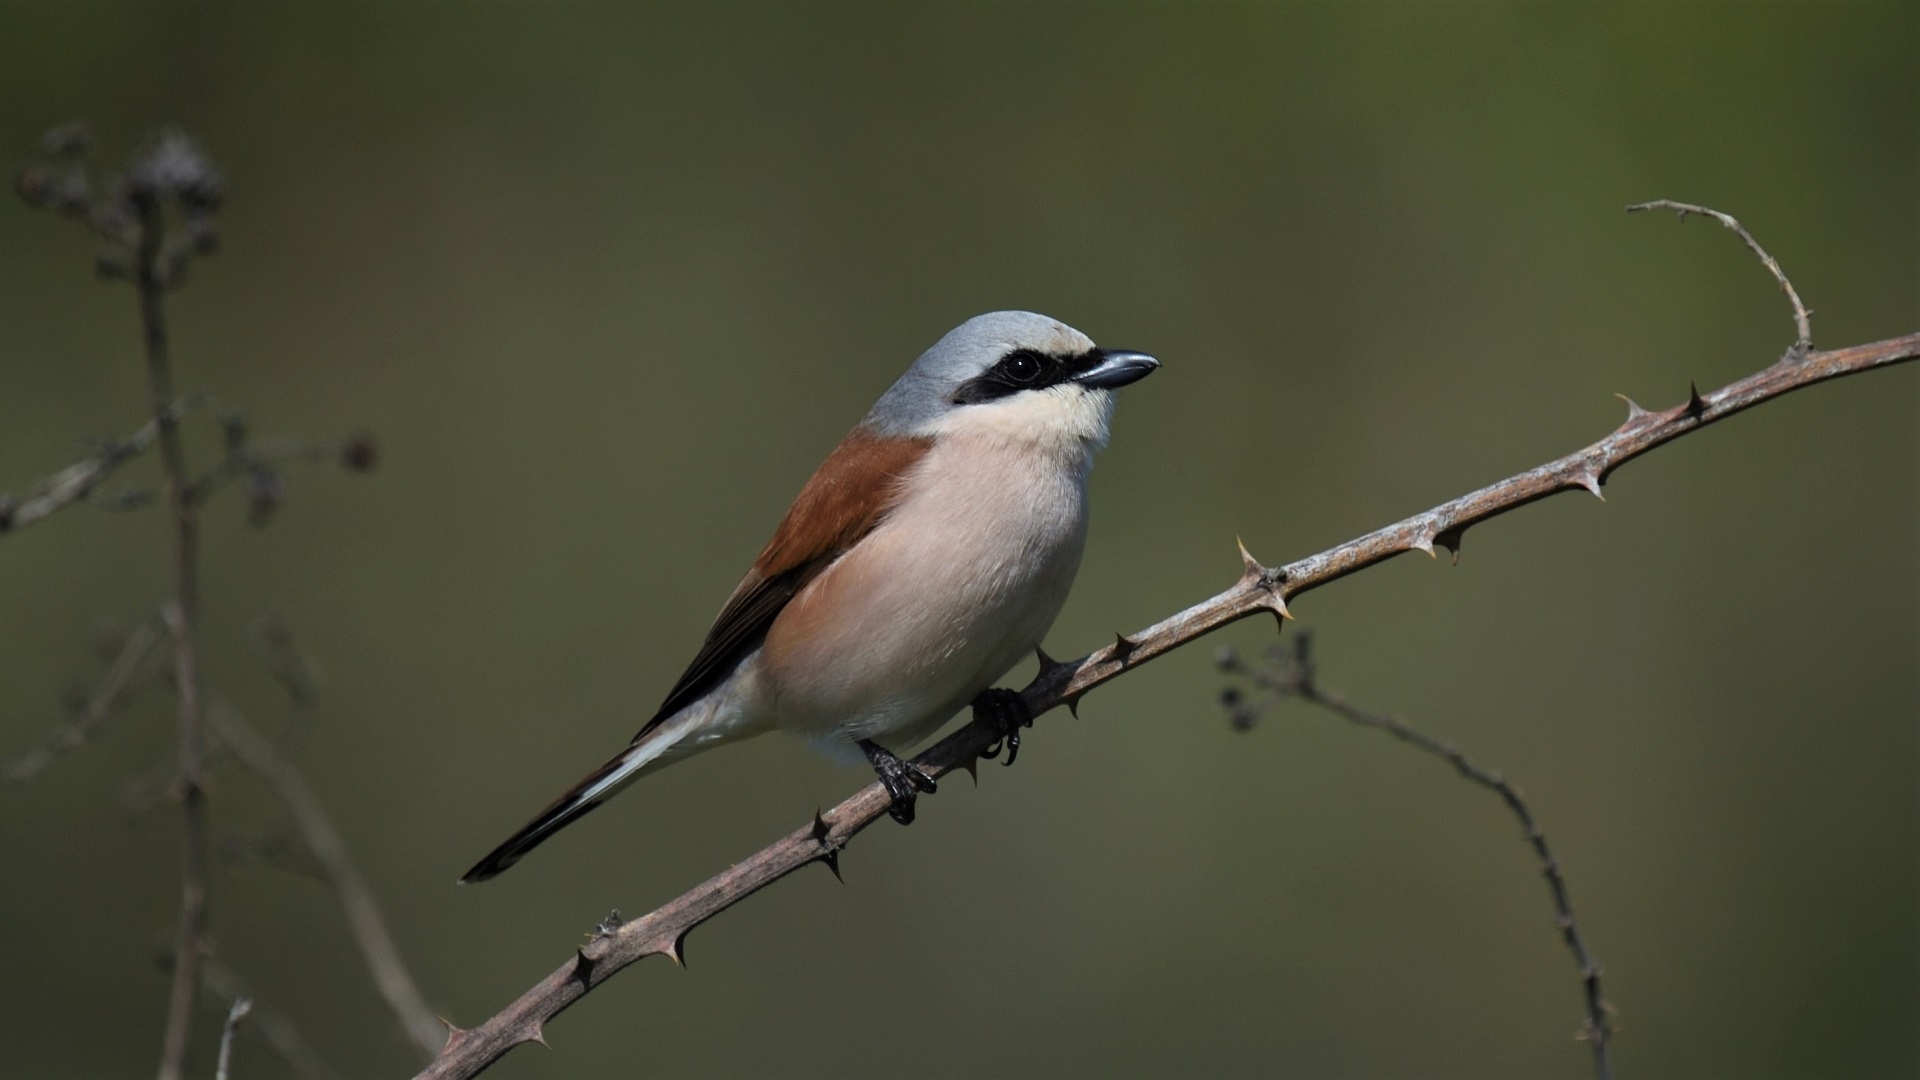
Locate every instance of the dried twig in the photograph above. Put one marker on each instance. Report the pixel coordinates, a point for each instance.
(390, 974)
(170, 180)
(1260, 589)
(1802, 321)
(241, 1007)
(151, 278)
(268, 1025)
(101, 699)
(1291, 674)
(78, 481)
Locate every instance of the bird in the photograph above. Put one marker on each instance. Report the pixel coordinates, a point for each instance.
(928, 554)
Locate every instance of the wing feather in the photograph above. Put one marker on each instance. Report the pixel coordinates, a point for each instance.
(848, 496)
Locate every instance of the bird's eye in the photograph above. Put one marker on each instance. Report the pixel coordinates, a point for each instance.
(1020, 368)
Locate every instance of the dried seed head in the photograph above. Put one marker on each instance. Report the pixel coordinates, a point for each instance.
(360, 453)
(70, 140)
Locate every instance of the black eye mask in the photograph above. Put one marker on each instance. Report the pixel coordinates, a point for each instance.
(1025, 369)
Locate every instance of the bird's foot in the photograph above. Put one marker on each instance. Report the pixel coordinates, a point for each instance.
(904, 780)
(1003, 712)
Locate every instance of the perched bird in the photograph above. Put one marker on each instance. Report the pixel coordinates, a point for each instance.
(928, 554)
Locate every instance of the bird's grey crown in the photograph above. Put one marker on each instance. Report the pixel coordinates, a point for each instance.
(926, 391)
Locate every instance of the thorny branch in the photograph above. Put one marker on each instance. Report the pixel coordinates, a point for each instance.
(1260, 589)
(1290, 673)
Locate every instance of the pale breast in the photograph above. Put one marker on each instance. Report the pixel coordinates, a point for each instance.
(957, 585)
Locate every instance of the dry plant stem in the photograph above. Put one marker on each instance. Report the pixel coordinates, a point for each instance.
(101, 699)
(1802, 321)
(1260, 589)
(1599, 1030)
(224, 984)
(1296, 679)
(78, 481)
(390, 975)
(238, 1012)
(181, 615)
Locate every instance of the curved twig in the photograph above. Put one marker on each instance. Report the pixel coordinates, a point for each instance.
(1292, 674)
(390, 974)
(1802, 320)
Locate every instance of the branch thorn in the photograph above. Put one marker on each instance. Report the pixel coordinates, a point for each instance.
(823, 835)
(1048, 665)
(1634, 411)
(1590, 480)
(1696, 407)
(1123, 647)
(1278, 605)
(1253, 570)
(1073, 704)
(1450, 539)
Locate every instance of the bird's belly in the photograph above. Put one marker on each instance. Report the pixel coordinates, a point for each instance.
(925, 612)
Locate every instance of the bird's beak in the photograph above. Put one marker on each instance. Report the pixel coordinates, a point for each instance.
(1117, 369)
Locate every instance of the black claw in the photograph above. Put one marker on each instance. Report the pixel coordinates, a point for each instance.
(1003, 712)
(904, 781)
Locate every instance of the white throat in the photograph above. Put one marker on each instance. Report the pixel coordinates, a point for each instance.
(1063, 423)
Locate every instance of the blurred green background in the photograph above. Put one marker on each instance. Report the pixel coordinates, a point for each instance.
(608, 280)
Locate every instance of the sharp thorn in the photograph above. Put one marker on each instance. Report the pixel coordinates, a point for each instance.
(1254, 571)
(1696, 407)
(821, 829)
(832, 859)
(1634, 411)
(1123, 647)
(1047, 663)
(973, 769)
(1591, 482)
(539, 1036)
(677, 952)
(1279, 607)
(1073, 705)
(582, 968)
(1450, 539)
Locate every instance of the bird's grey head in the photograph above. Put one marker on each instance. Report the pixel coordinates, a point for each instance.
(1009, 369)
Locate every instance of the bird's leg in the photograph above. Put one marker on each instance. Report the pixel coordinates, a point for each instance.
(904, 780)
(1003, 712)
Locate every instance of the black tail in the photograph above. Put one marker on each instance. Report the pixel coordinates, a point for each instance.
(593, 789)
